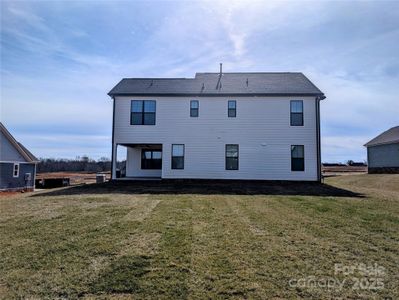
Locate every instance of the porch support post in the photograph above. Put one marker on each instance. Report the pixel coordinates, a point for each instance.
(114, 146)
(113, 161)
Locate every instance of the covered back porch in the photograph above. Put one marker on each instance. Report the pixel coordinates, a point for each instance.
(143, 161)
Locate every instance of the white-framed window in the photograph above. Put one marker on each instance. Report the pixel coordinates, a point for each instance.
(296, 107)
(194, 108)
(177, 156)
(232, 108)
(15, 170)
(143, 112)
(297, 158)
(231, 157)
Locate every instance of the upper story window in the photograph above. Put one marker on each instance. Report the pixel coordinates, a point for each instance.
(296, 112)
(194, 108)
(177, 156)
(232, 157)
(232, 109)
(143, 112)
(297, 158)
(15, 171)
(151, 159)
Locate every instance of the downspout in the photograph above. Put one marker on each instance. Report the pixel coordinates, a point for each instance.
(317, 104)
(113, 138)
(34, 176)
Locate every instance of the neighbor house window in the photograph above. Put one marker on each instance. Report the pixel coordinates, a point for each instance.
(151, 159)
(297, 158)
(15, 170)
(177, 156)
(232, 157)
(296, 113)
(143, 112)
(194, 108)
(232, 109)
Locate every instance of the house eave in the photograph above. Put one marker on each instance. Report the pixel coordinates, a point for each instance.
(321, 96)
(379, 144)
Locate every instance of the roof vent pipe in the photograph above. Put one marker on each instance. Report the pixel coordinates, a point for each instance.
(221, 65)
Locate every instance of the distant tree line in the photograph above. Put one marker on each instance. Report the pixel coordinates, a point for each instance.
(79, 164)
(348, 163)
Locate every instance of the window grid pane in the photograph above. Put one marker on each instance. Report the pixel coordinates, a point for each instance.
(147, 154)
(231, 163)
(156, 154)
(177, 150)
(136, 118)
(232, 113)
(194, 104)
(296, 119)
(194, 112)
(137, 106)
(178, 163)
(297, 151)
(232, 150)
(149, 119)
(297, 106)
(149, 106)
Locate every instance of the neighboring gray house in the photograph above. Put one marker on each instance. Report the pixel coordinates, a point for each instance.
(247, 126)
(17, 164)
(383, 152)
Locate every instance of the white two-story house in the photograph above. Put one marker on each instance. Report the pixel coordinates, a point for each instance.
(259, 126)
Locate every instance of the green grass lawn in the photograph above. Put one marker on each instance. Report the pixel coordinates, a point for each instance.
(126, 242)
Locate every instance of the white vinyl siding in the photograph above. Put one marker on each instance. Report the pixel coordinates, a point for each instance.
(261, 129)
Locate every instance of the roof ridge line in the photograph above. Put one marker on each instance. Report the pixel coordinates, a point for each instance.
(249, 73)
(157, 78)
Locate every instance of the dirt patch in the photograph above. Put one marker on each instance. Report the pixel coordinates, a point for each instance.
(75, 177)
(6, 194)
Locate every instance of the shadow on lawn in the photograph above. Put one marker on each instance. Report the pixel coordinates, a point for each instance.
(206, 187)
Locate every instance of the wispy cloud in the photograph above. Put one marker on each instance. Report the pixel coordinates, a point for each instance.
(59, 59)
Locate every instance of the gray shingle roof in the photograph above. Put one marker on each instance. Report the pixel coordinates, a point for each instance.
(31, 156)
(210, 84)
(387, 137)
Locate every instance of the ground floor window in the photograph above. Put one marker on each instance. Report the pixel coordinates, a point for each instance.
(232, 157)
(151, 159)
(16, 170)
(177, 156)
(297, 158)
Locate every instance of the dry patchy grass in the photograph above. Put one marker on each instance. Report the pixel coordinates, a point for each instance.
(195, 246)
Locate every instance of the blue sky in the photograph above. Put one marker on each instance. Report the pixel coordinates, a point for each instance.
(59, 60)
